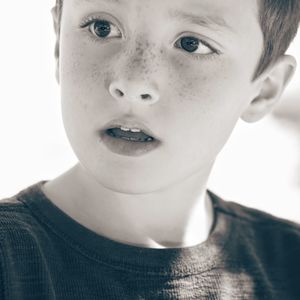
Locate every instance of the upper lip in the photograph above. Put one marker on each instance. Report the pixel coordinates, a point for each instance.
(129, 123)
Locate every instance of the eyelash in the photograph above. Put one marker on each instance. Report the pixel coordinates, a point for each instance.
(90, 20)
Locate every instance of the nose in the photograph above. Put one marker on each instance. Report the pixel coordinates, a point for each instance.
(134, 92)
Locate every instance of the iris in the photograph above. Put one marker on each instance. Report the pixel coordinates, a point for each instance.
(102, 28)
(189, 44)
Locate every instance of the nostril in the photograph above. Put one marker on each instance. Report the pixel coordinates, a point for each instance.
(146, 97)
(119, 93)
(133, 92)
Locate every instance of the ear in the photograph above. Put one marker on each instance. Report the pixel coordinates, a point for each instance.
(56, 23)
(270, 86)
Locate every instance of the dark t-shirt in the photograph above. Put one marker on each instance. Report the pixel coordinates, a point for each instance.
(45, 254)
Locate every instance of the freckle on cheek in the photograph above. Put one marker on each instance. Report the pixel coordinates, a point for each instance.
(188, 87)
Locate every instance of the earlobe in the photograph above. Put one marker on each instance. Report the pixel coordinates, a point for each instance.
(272, 83)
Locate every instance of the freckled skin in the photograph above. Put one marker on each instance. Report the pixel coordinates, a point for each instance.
(200, 100)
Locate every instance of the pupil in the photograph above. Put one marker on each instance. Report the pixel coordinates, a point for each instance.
(189, 44)
(102, 28)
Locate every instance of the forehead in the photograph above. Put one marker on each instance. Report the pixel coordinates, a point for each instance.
(234, 14)
(213, 5)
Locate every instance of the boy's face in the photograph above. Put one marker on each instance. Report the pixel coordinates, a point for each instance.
(154, 47)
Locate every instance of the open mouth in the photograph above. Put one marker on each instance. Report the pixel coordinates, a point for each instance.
(128, 135)
(133, 139)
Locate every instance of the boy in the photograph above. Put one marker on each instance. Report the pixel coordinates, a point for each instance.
(151, 91)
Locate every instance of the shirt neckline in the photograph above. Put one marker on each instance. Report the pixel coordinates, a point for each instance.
(168, 261)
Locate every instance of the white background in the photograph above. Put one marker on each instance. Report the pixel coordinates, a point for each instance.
(259, 167)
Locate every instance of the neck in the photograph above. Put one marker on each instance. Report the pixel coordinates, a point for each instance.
(180, 215)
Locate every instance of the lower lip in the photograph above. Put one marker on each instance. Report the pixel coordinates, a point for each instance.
(128, 148)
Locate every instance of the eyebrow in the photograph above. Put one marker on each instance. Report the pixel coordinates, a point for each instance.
(203, 20)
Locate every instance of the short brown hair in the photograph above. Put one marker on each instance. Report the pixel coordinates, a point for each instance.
(279, 21)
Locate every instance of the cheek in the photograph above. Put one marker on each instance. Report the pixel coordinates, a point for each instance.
(207, 82)
(80, 63)
(196, 82)
(206, 95)
(83, 73)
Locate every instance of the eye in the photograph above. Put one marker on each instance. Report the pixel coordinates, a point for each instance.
(102, 28)
(194, 45)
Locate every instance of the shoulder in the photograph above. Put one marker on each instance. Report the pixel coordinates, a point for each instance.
(13, 215)
(253, 216)
(260, 223)
(262, 246)
(24, 239)
(17, 223)
(268, 236)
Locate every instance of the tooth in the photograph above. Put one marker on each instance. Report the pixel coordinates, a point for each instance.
(125, 129)
(135, 130)
(129, 139)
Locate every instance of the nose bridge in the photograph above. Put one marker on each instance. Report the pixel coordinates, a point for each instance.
(135, 77)
(140, 59)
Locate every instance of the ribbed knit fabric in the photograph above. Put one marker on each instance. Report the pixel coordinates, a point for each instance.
(45, 254)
